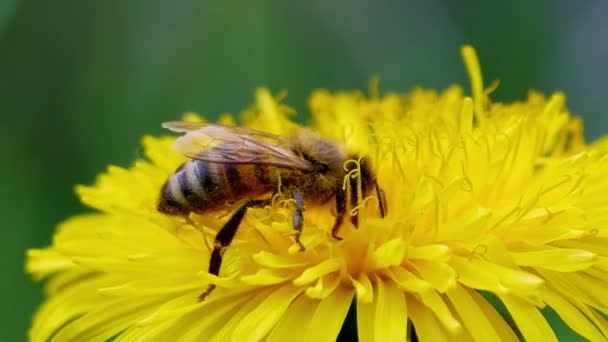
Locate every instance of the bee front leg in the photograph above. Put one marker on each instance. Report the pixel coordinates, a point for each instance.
(298, 216)
(341, 211)
(224, 238)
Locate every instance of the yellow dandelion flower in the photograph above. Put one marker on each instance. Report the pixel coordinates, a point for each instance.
(484, 200)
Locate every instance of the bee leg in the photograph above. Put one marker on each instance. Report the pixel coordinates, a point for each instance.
(298, 217)
(224, 238)
(381, 199)
(341, 211)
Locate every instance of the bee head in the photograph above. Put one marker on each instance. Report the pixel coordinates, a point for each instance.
(326, 157)
(321, 168)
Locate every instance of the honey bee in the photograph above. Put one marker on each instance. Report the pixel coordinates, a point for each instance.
(235, 163)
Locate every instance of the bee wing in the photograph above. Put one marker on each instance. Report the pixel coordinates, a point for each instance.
(189, 126)
(234, 145)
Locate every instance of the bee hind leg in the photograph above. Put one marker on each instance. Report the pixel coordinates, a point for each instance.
(224, 238)
(298, 217)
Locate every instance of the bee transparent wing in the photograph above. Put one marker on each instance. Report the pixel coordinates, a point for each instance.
(183, 126)
(234, 145)
(201, 137)
(190, 126)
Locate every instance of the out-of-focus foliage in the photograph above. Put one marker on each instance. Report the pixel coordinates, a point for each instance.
(81, 81)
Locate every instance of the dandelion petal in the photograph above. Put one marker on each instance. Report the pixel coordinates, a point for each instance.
(106, 320)
(473, 316)
(329, 316)
(428, 328)
(295, 321)
(571, 315)
(563, 260)
(384, 319)
(317, 271)
(389, 254)
(437, 305)
(529, 320)
(261, 320)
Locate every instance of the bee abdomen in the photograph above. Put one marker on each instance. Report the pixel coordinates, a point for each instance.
(193, 187)
(189, 183)
(172, 199)
(209, 181)
(234, 185)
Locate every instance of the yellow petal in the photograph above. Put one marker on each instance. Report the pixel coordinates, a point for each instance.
(567, 285)
(43, 262)
(440, 275)
(180, 319)
(267, 276)
(107, 320)
(466, 116)
(436, 304)
(160, 152)
(267, 259)
(594, 289)
(483, 275)
(391, 253)
(504, 330)
(571, 315)
(384, 319)
(472, 316)
(66, 305)
(174, 307)
(268, 114)
(428, 328)
(559, 259)
(363, 288)
(430, 252)
(529, 320)
(221, 317)
(324, 286)
(321, 269)
(67, 279)
(329, 316)
(552, 232)
(151, 287)
(407, 280)
(296, 319)
(260, 321)
(224, 282)
(151, 333)
(597, 245)
(599, 269)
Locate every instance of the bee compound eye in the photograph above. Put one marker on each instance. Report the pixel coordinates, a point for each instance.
(322, 168)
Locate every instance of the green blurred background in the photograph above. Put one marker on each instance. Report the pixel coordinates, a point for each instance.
(82, 81)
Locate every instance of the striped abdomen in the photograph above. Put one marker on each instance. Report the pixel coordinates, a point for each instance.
(199, 185)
